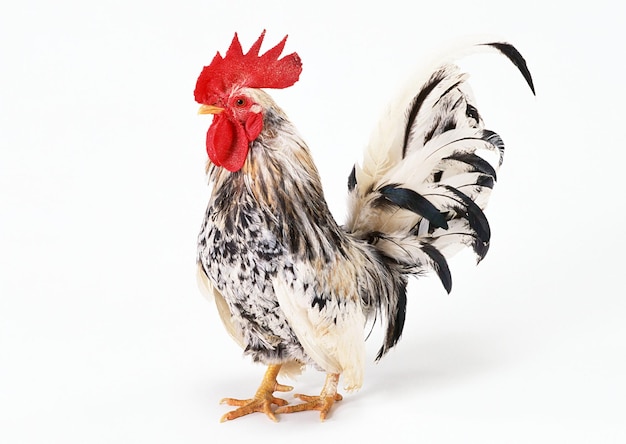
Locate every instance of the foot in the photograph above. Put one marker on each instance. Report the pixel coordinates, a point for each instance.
(262, 404)
(323, 402)
(262, 400)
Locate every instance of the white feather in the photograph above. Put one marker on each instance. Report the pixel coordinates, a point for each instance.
(336, 347)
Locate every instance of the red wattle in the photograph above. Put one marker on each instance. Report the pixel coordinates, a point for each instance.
(227, 143)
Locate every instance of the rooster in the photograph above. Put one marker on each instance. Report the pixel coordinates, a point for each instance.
(292, 286)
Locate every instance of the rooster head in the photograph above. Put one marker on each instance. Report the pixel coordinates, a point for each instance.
(224, 90)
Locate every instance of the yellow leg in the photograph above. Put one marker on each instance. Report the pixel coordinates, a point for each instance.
(323, 402)
(262, 400)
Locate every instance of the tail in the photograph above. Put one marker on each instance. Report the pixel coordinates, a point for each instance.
(418, 197)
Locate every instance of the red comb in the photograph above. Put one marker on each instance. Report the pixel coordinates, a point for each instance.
(247, 70)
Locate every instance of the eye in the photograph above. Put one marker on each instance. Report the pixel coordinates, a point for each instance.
(241, 102)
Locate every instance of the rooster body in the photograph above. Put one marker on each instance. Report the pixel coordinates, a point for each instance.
(268, 234)
(294, 288)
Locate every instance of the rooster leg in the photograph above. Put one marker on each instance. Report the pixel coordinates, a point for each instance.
(323, 402)
(262, 400)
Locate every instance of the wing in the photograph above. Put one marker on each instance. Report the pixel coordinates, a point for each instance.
(322, 306)
(290, 369)
(210, 292)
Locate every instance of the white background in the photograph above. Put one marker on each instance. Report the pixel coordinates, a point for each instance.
(104, 337)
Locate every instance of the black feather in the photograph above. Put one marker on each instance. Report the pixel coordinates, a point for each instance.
(472, 112)
(352, 179)
(441, 265)
(477, 222)
(514, 56)
(410, 200)
(394, 332)
(485, 181)
(477, 163)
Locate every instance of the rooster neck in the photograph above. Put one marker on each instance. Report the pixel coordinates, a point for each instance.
(279, 170)
(280, 186)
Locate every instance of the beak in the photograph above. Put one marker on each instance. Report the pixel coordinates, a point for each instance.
(210, 109)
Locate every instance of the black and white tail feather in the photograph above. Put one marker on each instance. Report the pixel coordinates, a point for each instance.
(418, 196)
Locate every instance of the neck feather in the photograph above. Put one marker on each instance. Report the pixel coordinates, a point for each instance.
(280, 179)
